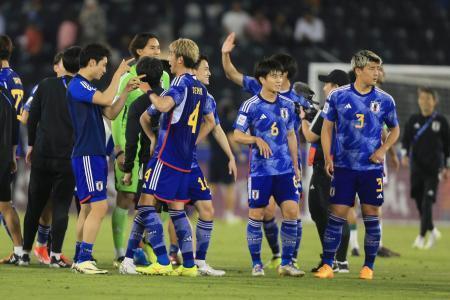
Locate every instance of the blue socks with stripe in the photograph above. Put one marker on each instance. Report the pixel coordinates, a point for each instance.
(299, 239)
(288, 240)
(254, 240)
(136, 233)
(85, 252)
(332, 238)
(184, 235)
(42, 234)
(371, 239)
(155, 233)
(203, 234)
(271, 233)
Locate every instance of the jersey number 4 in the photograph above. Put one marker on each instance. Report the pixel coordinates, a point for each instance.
(193, 118)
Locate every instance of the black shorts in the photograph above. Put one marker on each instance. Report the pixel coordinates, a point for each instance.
(424, 185)
(218, 172)
(5, 184)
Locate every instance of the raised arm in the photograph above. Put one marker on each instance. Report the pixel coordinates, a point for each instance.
(111, 112)
(230, 70)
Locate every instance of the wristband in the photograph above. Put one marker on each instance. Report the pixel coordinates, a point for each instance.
(119, 153)
(149, 92)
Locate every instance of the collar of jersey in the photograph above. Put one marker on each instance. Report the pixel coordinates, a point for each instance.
(261, 97)
(359, 94)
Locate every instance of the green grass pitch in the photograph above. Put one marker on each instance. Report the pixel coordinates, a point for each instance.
(416, 274)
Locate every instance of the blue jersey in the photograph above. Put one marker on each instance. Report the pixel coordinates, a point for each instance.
(27, 105)
(87, 120)
(210, 107)
(359, 120)
(12, 83)
(252, 86)
(270, 121)
(179, 127)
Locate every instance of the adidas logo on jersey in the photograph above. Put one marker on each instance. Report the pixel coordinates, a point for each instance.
(263, 116)
(380, 196)
(348, 106)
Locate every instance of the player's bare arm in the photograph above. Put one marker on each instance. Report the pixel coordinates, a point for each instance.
(293, 151)
(111, 112)
(206, 127)
(247, 139)
(230, 70)
(162, 104)
(378, 156)
(326, 135)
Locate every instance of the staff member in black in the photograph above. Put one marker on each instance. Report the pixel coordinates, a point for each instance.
(426, 150)
(319, 187)
(50, 144)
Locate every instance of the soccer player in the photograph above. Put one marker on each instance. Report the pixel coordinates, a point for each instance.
(265, 122)
(167, 175)
(426, 150)
(142, 45)
(252, 86)
(357, 114)
(12, 95)
(49, 152)
(319, 187)
(86, 107)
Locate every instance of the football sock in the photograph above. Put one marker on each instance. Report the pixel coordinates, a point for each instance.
(42, 235)
(203, 235)
(299, 239)
(184, 235)
(155, 233)
(85, 252)
(332, 238)
(135, 236)
(119, 221)
(372, 239)
(288, 240)
(381, 233)
(254, 240)
(77, 251)
(271, 233)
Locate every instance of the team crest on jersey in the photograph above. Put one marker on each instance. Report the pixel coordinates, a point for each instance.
(241, 120)
(255, 194)
(416, 126)
(436, 126)
(99, 186)
(325, 107)
(284, 113)
(375, 106)
(17, 80)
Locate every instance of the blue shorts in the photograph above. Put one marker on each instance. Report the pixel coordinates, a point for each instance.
(198, 186)
(91, 173)
(165, 183)
(282, 187)
(346, 183)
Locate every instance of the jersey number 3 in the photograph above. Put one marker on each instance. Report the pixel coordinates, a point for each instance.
(360, 120)
(193, 118)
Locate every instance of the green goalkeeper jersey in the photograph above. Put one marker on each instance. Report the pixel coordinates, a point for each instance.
(119, 125)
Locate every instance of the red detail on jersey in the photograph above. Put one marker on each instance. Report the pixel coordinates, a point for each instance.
(175, 168)
(311, 155)
(86, 199)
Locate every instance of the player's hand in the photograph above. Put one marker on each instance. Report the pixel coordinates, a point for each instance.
(302, 113)
(395, 163)
(405, 161)
(228, 45)
(378, 156)
(298, 174)
(152, 148)
(28, 155)
(120, 160)
(134, 83)
(124, 66)
(329, 167)
(144, 86)
(445, 174)
(126, 180)
(232, 169)
(264, 149)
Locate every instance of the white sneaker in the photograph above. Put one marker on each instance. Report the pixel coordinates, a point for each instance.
(258, 270)
(90, 268)
(290, 270)
(206, 270)
(231, 218)
(127, 267)
(437, 234)
(434, 236)
(419, 242)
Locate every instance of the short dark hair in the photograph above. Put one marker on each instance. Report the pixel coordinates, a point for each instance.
(152, 68)
(71, 59)
(57, 58)
(288, 62)
(428, 90)
(265, 66)
(199, 61)
(93, 51)
(6, 47)
(139, 41)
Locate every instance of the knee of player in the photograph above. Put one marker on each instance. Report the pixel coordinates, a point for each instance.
(206, 212)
